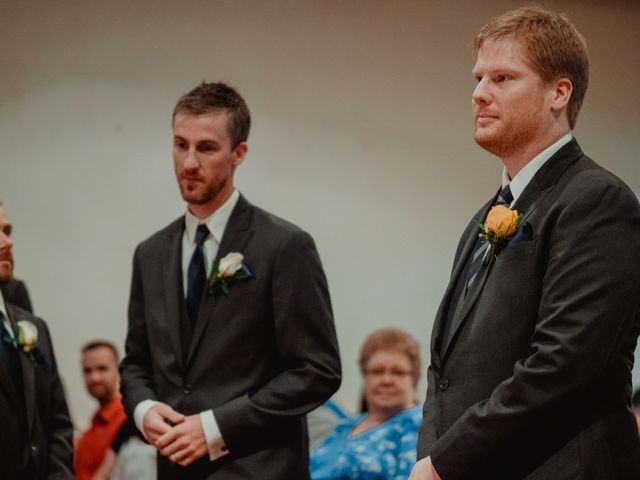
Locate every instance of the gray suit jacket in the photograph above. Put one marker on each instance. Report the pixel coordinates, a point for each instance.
(534, 379)
(36, 438)
(261, 357)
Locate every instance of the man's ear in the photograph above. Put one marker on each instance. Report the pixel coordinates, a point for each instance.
(563, 88)
(239, 153)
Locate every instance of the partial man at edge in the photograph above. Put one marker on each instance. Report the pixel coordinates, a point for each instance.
(36, 440)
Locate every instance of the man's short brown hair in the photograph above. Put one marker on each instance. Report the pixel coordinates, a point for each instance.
(556, 48)
(214, 98)
(101, 344)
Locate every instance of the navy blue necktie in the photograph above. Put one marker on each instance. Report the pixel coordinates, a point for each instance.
(504, 198)
(196, 275)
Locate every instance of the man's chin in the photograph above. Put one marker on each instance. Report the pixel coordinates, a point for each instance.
(194, 197)
(6, 275)
(97, 392)
(489, 142)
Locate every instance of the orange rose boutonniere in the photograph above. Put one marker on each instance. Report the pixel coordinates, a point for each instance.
(501, 224)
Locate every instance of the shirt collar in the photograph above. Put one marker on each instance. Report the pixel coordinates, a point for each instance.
(216, 222)
(111, 410)
(524, 176)
(3, 307)
(6, 323)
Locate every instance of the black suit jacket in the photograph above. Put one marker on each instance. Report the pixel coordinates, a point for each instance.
(534, 378)
(261, 357)
(36, 438)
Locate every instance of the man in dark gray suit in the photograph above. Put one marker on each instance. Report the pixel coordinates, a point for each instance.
(231, 338)
(532, 346)
(36, 430)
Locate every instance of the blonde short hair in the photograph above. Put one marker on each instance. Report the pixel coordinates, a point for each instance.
(392, 339)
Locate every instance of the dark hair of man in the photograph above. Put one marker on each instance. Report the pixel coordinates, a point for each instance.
(102, 344)
(556, 48)
(214, 98)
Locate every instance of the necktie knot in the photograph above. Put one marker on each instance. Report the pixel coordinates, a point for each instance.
(201, 234)
(505, 197)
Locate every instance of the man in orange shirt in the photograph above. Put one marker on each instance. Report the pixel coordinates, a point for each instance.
(102, 379)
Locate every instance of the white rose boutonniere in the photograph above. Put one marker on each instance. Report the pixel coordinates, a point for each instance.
(230, 264)
(27, 339)
(230, 267)
(27, 336)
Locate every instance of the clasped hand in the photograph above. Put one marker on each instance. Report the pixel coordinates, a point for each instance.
(178, 437)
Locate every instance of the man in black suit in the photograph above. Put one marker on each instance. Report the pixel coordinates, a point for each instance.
(231, 338)
(36, 430)
(532, 346)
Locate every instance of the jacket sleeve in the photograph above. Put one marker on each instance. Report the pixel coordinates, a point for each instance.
(60, 463)
(136, 369)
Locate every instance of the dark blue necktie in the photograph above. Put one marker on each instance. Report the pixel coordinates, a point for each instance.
(504, 198)
(196, 275)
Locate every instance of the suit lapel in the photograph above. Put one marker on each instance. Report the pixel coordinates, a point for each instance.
(471, 240)
(235, 237)
(173, 286)
(8, 383)
(547, 177)
(29, 382)
(537, 189)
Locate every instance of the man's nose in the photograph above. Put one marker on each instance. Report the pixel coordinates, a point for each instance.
(191, 160)
(5, 241)
(480, 94)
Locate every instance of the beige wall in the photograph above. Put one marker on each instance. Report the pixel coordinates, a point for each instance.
(362, 136)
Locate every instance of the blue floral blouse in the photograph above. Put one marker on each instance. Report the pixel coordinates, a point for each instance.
(384, 452)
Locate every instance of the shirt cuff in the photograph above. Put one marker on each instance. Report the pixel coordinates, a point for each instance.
(140, 411)
(215, 443)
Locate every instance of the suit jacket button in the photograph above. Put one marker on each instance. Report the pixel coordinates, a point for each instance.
(444, 384)
(187, 389)
(34, 448)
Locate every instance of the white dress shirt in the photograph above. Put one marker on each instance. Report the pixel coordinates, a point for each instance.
(524, 176)
(5, 321)
(216, 223)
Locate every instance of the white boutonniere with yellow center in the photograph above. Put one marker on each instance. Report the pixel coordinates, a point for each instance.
(501, 224)
(230, 267)
(26, 340)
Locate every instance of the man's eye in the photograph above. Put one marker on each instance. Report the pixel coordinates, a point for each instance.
(180, 145)
(206, 148)
(501, 78)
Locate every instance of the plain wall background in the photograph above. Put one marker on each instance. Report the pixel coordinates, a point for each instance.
(361, 135)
